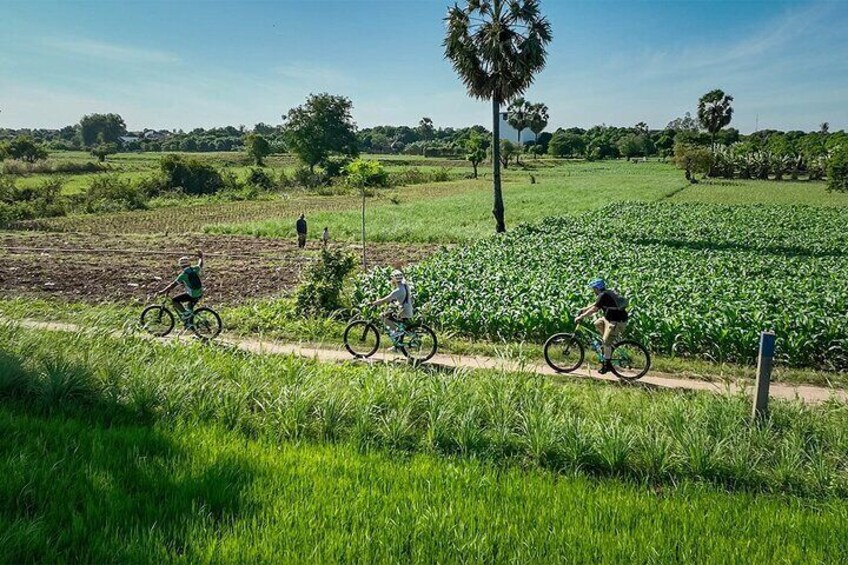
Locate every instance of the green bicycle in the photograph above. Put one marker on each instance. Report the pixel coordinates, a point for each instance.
(158, 320)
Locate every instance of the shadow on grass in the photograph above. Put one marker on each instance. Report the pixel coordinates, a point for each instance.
(83, 476)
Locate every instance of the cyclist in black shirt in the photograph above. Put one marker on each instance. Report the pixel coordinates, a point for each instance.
(613, 321)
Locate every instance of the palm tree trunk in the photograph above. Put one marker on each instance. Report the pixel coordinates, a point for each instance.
(498, 210)
(518, 153)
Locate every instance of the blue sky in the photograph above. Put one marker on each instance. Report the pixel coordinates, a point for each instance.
(206, 63)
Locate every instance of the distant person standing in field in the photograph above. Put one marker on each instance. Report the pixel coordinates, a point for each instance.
(325, 237)
(300, 226)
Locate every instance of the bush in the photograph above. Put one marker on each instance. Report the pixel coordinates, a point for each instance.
(307, 179)
(28, 203)
(190, 176)
(321, 289)
(837, 170)
(113, 194)
(259, 179)
(362, 173)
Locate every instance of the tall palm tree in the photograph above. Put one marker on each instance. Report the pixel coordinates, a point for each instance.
(715, 112)
(426, 131)
(538, 119)
(496, 46)
(518, 116)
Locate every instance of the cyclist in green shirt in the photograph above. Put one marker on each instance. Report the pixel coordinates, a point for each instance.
(189, 277)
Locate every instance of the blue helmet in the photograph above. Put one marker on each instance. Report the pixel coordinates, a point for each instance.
(598, 284)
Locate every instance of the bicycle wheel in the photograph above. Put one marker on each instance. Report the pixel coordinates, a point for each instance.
(630, 360)
(419, 344)
(157, 320)
(564, 353)
(361, 339)
(206, 323)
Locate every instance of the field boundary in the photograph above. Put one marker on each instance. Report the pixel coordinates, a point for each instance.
(805, 393)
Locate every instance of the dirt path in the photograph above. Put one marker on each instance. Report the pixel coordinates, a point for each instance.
(805, 393)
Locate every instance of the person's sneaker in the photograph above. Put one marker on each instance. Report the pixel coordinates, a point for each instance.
(605, 368)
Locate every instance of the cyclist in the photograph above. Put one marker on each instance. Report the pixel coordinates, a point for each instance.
(613, 321)
(189, 277)
(401, 300)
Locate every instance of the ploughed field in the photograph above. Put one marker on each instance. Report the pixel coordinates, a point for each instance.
(703, 279)
(97, 267)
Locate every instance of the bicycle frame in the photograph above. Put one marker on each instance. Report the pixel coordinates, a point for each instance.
(371, 316)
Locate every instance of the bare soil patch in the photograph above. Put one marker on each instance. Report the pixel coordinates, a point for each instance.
(111, 267)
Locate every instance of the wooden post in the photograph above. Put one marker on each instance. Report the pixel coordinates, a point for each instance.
(761, 394)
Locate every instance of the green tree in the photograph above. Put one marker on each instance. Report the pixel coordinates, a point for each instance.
(538, 119)
(426, 132)
(103, 150)
(496, 48)
(715, 112)
(101, 128)
(321, 127)
(565, 144)
(632, 145)
(24, 148)
(475, 150)
(686, 123)
(257, 147)
(518, 116)
(837, 170)
(692, 159)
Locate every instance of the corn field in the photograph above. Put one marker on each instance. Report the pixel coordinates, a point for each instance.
(703, 280)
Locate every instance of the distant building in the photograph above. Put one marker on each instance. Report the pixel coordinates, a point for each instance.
(510, 133)
(507, 131)
(127, 139)
(153, 135)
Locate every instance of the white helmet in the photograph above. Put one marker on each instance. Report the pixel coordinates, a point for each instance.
(184, 261)
(397, 275)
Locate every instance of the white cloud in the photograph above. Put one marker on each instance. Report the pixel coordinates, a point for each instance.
(110, 51)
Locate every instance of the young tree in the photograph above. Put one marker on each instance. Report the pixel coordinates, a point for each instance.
(538, 119)
(103, 150)
(518, 116)
(24, 148)
(425, 131)
(714, 112)
(321, 127)
(496, 48)
(476, 151)
(257, 147)
(507, 150)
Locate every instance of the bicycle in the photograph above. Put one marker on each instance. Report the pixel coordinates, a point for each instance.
(565, 352)
(414, 340)
(158, 320)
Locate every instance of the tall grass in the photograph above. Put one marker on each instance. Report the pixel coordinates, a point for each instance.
(638, 434)
(74, 492)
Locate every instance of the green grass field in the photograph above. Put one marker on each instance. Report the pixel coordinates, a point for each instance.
(130, 451)
(73, 491)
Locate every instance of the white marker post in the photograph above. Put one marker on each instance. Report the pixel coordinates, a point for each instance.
(761, 395)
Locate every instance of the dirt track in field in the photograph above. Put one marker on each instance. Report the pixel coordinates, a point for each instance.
(110, 267)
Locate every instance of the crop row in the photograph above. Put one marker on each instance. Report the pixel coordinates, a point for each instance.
(702, 280)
